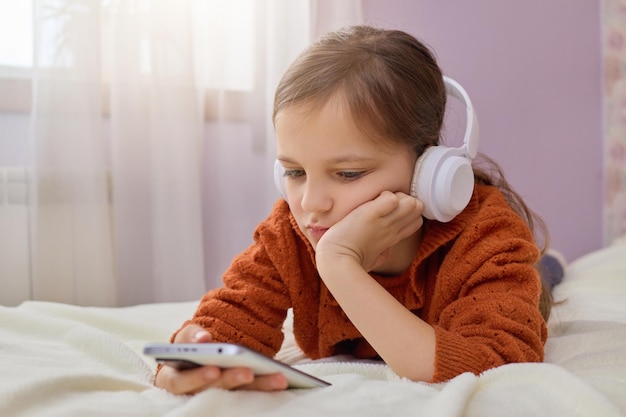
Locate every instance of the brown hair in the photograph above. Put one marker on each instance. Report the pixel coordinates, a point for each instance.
(394, 87)
(376, 71)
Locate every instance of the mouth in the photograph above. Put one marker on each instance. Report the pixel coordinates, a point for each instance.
(316, 232)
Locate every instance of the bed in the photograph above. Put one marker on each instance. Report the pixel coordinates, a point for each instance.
(65, 360)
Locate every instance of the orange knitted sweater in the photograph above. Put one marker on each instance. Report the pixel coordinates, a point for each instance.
(473, 279)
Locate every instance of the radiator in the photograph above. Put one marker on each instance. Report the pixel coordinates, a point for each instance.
(14, 236)
(14, 186)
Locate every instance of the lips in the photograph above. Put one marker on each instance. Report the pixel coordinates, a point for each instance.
(316, 232)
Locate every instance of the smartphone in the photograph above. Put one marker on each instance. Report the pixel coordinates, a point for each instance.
(227, 355)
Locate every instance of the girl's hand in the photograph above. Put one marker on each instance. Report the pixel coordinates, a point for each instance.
(194, 380)
(367, 239)
(366, 234)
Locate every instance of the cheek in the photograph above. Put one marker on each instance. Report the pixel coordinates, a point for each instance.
(395, 180)
(297, 212)
(354, 198)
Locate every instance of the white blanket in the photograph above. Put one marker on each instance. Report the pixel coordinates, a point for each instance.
(62, 360)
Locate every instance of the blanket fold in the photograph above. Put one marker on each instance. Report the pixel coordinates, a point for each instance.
(61, 360)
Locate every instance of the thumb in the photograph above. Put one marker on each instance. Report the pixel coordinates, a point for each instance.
(192, 333)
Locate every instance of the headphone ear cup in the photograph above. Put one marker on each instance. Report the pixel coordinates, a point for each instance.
(443, 180)
(279, 178)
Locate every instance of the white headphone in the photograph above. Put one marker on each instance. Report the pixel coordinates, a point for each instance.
(443, 178)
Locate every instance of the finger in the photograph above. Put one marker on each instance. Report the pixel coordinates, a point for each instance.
(409, 209)
(189, 381)
(411, 227)
(398, 205)
(408, 201)
(272, 382)
(385, 204)
(411, 219)
(192, 333)
(244, 379)
(406, 219)
(234, 378)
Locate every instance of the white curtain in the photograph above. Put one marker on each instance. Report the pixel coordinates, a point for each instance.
(152, 139)
(614, 59)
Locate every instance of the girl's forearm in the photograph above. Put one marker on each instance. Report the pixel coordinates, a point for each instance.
(404, 341)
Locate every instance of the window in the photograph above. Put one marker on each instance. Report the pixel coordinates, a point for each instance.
(16, 34)
(218, 20)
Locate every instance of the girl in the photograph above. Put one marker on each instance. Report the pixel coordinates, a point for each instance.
(350, 250)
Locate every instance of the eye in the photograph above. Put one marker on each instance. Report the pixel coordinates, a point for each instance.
(350, 175)
(294, 173)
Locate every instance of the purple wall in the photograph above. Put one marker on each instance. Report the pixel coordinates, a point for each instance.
(533, 71)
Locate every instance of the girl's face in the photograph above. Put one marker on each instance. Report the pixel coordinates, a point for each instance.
(331, 167)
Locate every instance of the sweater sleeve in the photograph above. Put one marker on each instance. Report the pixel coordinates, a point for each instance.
(252, 305)
(485, 306)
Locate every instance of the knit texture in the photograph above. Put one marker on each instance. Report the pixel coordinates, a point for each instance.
(473, 279)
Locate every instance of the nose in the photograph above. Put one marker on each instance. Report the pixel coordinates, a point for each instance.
(316, 197)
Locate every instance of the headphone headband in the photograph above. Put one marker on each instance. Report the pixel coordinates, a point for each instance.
(470, 139)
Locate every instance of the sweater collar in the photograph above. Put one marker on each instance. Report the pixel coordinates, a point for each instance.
(437, 234)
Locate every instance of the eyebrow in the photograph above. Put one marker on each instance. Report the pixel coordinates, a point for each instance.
(337, 160)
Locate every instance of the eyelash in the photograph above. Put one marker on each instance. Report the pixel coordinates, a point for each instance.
(344, 175)
(294, 173)
(351, 175)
